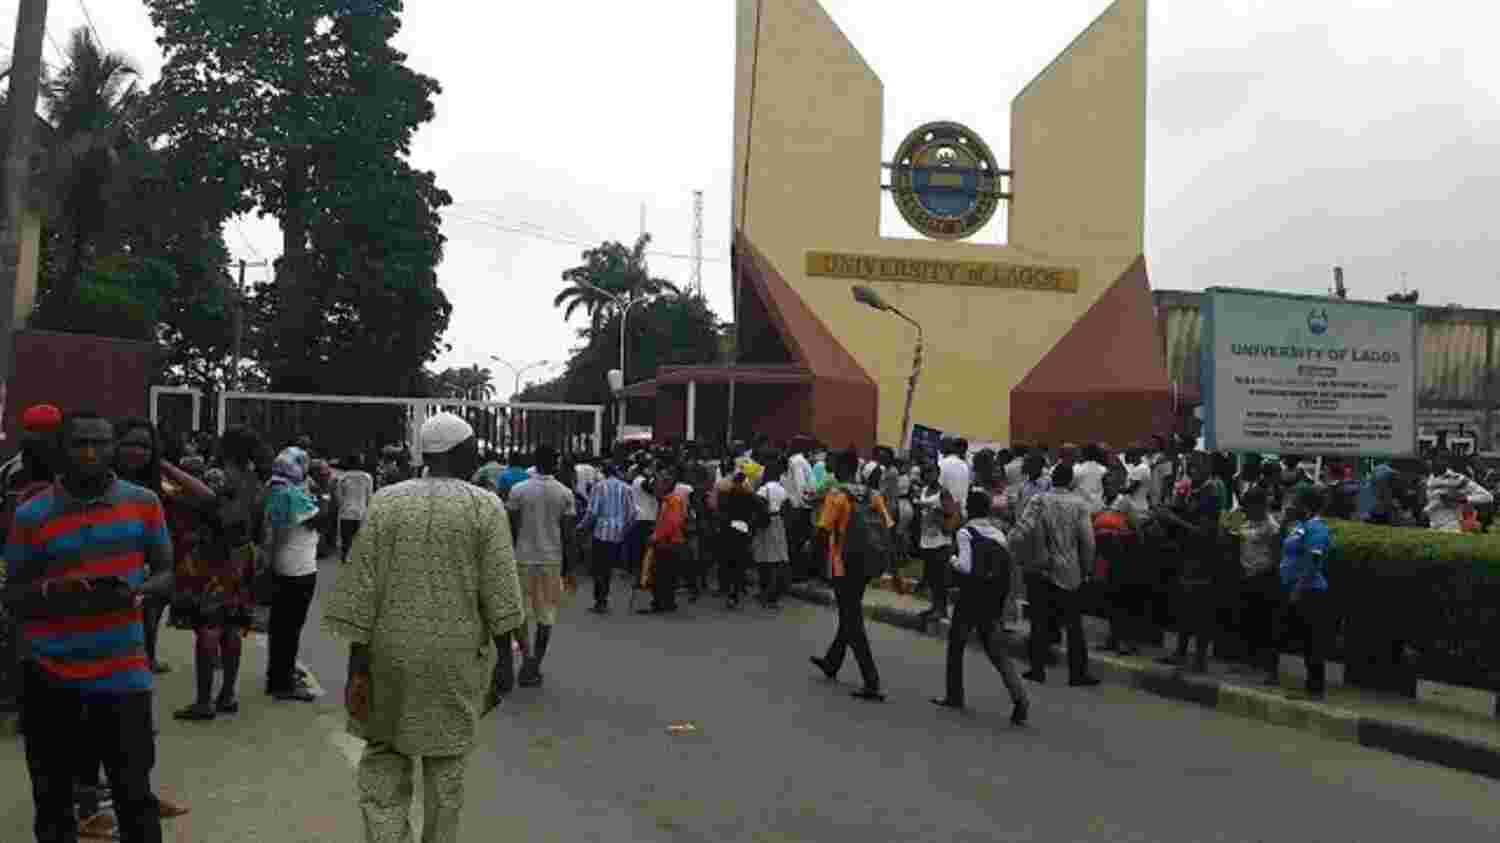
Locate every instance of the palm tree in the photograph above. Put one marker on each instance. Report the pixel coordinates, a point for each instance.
(614, 269)
(474, 383)
(94, 105)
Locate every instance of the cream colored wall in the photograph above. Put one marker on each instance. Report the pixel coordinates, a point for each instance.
(28, 266)
(815, 149)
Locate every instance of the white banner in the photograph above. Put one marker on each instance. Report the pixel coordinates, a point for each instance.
(1306, 375)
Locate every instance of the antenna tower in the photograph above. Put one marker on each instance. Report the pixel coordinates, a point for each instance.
(696, 284)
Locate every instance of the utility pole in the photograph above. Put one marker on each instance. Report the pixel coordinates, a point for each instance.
(696, 283)
(25, 82)
(239, 323)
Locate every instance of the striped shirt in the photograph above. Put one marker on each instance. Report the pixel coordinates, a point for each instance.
(88, 641)
(612, 509)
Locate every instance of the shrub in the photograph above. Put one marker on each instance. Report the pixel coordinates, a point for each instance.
(1408, 548)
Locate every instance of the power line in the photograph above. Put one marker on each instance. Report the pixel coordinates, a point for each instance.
(90, 19)
(476, 206)
(61, 56)
(542, 234)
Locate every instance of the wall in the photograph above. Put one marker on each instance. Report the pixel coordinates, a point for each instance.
(77, 372)
(814, 150)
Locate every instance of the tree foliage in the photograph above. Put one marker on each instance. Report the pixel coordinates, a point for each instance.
(303, 111)
(610, 270)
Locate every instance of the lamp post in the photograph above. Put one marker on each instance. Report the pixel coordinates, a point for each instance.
(518, 371)
(623, 305)
(868, 297)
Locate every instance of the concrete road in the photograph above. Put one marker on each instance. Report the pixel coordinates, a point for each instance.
(779, 754)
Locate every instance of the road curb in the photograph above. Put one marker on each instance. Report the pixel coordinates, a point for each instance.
(1328, 721)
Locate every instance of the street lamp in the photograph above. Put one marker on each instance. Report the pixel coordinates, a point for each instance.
(617, 384)
(518, 371)
(868, 297)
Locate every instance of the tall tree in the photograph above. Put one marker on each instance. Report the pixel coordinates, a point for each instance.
(611, 268)
(306, 106)
(95, 107)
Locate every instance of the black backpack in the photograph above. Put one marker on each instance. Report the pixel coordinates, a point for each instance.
(991, 559)
(867, 543)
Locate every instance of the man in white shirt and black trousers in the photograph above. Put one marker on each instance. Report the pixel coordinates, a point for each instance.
(801, 488)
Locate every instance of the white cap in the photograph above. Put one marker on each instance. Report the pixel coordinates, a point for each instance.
(443, 432)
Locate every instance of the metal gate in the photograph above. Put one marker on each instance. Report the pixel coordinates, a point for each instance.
(341, 425)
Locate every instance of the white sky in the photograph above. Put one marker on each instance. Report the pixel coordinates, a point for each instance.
(1285, 136)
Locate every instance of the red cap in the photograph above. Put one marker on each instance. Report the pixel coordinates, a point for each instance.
(41, 418)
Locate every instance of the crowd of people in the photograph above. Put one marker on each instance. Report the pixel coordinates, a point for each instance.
(113, 528)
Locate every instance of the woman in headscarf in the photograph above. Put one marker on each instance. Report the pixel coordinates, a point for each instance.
(291, 516)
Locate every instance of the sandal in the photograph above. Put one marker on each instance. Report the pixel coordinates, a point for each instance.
(228, 705)
(101, 826)
(167, 809)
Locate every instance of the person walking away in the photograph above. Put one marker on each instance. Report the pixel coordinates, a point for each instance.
(668, 543)
(291, 517)
(936, 547)
(855, 525)
(611, 515)
(352, 489)
(1259, 609)
(1448, 491)
(772, 555)
(432, 582)
(1304, 577)
(214, 570)
(801, 488)
(737, 511)
(643, 486)
(1056, 523)
(542, 513)
(983, 564)
(513, 473)
(487, 476)
(82, 557)
(1088, 478)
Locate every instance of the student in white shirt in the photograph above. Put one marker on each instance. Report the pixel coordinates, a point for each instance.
(1088, 478)
(769, 546)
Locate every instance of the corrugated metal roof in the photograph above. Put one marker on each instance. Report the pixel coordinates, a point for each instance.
(1454, 360)
(1184, 336)
(1457, 347)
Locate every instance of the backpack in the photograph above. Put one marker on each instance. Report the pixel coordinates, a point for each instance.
(992, 561)
(867, 542)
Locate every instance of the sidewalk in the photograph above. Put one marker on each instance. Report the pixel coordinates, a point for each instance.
(1446, 725)
(276, 771)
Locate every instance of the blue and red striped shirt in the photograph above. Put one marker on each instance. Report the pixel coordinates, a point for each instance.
(88, 642)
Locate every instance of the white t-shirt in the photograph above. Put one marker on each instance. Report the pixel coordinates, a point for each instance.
(775, 496)
(955, 475)
(646, 505)
(585, 476)
(799, 481)
(1088, 481)
(299, 556)
(353, 490)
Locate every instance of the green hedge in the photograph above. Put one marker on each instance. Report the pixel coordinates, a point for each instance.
(1408, 547)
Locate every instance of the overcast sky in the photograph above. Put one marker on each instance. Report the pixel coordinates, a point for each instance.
(1284, 137)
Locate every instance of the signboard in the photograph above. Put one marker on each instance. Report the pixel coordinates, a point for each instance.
(930, 271)
(1309, 375)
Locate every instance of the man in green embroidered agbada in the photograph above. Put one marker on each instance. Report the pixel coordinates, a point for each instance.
(431, 583)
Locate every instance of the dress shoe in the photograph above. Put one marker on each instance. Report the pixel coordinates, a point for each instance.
(868, 695)
(1084, 682)
(1035, 676)
(828, 671)
(294, 695)
(1019, 713)
(944, 702)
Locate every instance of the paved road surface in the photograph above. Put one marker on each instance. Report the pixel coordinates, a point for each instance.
(781, 755)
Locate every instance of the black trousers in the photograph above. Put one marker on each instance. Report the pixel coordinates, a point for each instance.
(851, 635)
(636, 542)
(152, 610)
(1310, 617)
(1258, 618)
(978, 612)
(935, 567)
(607, 556)
(289, 604)
(670, 561)
(348, 529)
(798, 532)
(772, 580)
(735, 560)
(1054, 608)
(59, 723)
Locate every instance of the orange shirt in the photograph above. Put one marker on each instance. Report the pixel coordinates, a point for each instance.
(671, 521)
(834, 518)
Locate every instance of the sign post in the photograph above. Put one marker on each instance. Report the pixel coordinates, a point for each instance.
(1309, 375)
